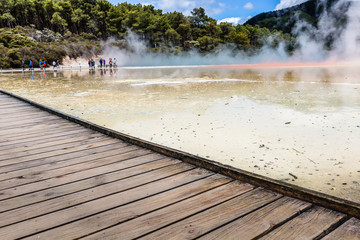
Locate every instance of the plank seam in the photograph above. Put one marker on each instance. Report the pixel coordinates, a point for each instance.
(109, 209)
(68, 159)
(90, 200)
(84, 179)
(193, 214)
(41, 180)
(333, 227)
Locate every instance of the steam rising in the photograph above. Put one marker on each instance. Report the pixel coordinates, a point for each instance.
(314, 44)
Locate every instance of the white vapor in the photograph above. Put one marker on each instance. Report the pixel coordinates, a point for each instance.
(348, 45)
(288, 3)
(346, 41)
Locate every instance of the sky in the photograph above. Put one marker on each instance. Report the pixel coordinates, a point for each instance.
(234, 11)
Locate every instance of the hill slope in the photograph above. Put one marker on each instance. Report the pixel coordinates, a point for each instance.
(285, 19)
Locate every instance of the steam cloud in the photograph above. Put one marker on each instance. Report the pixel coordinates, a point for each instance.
(345, 45)
(288, 3)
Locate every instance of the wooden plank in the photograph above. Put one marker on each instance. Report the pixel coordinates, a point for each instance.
(350, 230)
(11, 104)
(102, 153)
(74, 155)
(40, 134)
(23, 110)
(95, 178)
(127, 153)
(73, 213)
(157, 170)
(22, 116)
(259, 222)
(18, 119)
(34, 147)
(27, 122)
(51, 137)
(134, 209)
(18, 149)
(308, 225)
(36, 129)
(200, 223)
(26, 125)
(21, 162)
(39, 153)
(13, 107)
(143, 224)
(14, 187)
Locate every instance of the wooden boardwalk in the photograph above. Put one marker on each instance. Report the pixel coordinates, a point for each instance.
(60, 180)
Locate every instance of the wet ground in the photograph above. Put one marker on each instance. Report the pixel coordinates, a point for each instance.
(295, 124)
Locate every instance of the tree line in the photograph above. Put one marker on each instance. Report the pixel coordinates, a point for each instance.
(93, 20)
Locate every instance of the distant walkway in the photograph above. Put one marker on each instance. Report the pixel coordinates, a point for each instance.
(60, 180)
(48, 69)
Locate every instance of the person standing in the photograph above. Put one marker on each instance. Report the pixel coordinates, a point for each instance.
(44, 65)
(30, 65)
(115, 61)
(23, 64)
(54, 64)
(101, 62)
(110, 62)
(41, 64)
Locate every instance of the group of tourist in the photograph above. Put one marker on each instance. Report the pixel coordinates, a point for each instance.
(42, 64)
(102, 63)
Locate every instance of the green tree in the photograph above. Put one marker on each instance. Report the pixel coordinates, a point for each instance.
(58, 22)
(8, 19)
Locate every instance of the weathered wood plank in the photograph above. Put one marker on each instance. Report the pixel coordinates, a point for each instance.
(100, 188)
(202, 222)
(127, 153)
(101, 153)
(18, 117)
(37, 140)
(14, 108)
(309, 225)
(87, 209)
(22, 161)
(24, 114)
(134, 209)
(155, 220)
(74, 155)
(6, 159)
(95, 178)
(21, 116)
(18, 127)
(259, 222)
(65, 175)
(52, 119)
(350, 230)
(19, 149)
(40, 135)
(36, 129)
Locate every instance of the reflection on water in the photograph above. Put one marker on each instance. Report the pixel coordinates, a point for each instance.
(281, 123)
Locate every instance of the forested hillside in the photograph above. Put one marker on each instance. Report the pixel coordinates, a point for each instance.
(310, 11)
(53, 29)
